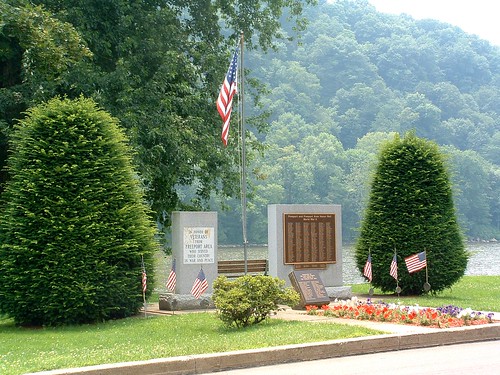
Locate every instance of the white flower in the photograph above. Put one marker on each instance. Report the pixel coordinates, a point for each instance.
(465, 313)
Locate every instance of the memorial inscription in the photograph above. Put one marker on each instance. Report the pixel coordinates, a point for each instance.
(309, 239)
(199, 245)
(310, 287)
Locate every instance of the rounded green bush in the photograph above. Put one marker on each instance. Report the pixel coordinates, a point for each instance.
(250, 299)
(411, 210)
(74, 226)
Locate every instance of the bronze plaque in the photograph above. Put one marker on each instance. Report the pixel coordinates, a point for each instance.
(309, 238)
(310, 287)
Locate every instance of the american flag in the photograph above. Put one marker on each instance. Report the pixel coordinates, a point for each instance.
(416, 262)
(367, 271)
(200, 285)
(225, 99)
(172, 278)
(144, 281)
(394, 267)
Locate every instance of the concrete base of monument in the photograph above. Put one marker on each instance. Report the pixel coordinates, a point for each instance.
(177, 302)
(338, 292)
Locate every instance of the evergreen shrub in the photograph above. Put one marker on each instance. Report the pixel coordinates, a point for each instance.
(74, 227)
(411, 210)
(249, 300)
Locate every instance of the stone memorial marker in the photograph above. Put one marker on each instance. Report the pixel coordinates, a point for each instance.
(310, 287)
(307, 237)
(194, 247)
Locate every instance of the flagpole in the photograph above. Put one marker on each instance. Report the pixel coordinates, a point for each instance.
(398, 289)
(426, 268)
(243, 160)
(427, 286)
(370, 291)
(142, 286)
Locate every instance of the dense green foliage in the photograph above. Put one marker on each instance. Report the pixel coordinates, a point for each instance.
(35, 51)
(358, 77)
(410, 210)
(74, 226)
(157, 66)
(250, 299)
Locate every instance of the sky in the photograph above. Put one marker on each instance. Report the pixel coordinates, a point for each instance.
(479, 17)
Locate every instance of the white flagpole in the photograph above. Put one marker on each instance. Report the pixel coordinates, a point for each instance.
(243, 159)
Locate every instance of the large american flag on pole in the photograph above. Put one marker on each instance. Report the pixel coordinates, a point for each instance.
(416, 262)
(172, 278)
(225, 99)
(200, 285)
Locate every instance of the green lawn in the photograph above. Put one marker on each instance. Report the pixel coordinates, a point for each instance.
(481, 293)
(36, 349)
(27, 350)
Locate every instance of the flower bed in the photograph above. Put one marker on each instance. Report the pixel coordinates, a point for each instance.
(442, 317)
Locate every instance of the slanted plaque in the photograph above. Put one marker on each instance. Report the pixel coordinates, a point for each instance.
(310, 287)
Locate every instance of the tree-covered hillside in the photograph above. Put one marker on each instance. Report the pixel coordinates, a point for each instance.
(357, 77)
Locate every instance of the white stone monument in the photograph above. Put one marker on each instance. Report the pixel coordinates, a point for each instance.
(307, 236)
(194, 247)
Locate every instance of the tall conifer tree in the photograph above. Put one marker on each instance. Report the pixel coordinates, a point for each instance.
(411, 210)
(74, 226)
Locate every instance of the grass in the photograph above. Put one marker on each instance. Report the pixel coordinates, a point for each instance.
(27, 349)
(481, 293)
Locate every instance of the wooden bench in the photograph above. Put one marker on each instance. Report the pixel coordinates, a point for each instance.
(235, 268)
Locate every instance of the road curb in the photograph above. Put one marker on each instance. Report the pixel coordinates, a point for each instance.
(206, 363)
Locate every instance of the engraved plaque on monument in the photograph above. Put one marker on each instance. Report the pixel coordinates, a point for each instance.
(310, 287)
(309, 240)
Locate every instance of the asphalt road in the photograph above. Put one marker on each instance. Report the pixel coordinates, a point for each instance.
(476, 358)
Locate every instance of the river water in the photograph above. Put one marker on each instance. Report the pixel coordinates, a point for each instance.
(484, 260)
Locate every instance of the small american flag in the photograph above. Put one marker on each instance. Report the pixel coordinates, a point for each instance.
(394, 267)
(200, 285)
(172, 278)
(144, 281)
(367, 271)
(225, 99)
(416, 262)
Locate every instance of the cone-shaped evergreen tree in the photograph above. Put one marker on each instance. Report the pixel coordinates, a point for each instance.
(411, 210)
(74, 226)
